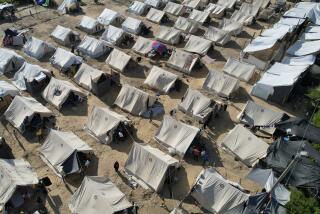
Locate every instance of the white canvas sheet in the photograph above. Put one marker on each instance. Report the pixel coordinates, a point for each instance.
(174, 9)
(245, 145)
(260, 43)
(218, 36)
(221, 84)
(98, 195)
(57, 92)
(152, 172)
(310, 36)
(193, 4)
(227, 3)
(186, 25)
(7, 88)
(9, 61)
(90, 25)
(277, 32)
(198, 45)
(64, 59)
(160, 79)
(155, 15)
(62, 35)
(137, 8)
(182, 61)
(312, 29)
(215, 10)
(241, 70)
(132, 25)
(108, 17)
(299, 60)
(118, 60)
(231, 26)
(169, 35)
(86, 76)
(296, 13)
(37, 48)
(199, 16)
(142, 46)
(303, 48)
(112, 35)
(176, 135)
(92, 47)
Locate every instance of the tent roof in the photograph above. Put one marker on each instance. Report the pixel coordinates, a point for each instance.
(64, 59)
(192, 3)
(302, 48)
(245, 145)
(7, 56)
(199, 16)
(102, 120)
(13, 173)
(220, 83)
(182, 61)
(216, 194)
(142, 46)
(217, 35)
(88, 23)
(98, 195)
(153, 171)
(160, 79)
(214, 8)
(59, 146)
(28, 72)
(134, 100)
(87, 76)
(176, 135)
(153, 3)
(277, 32)
(174, 8)
(231, 26)
(92, 47)
(137, 8)
(7, 88)
(57, 92)
(299, 60)
(227, 3)
(260, 43)
(198, 45)
(22, 107)
(155, 15)
(196, 104)
(112, 35)
(169, 35)
(241, 70)
(118, 60)
(107, 16)
(132, 25)
(186, 25)
(61, 33)
(37, 48)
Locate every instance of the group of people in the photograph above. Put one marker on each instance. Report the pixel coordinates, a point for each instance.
(199, 153)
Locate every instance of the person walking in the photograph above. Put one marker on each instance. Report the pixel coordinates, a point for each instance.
(151, 116)
(116, 166)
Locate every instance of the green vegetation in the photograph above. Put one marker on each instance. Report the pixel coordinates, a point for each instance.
(300, 203)
(314, 96)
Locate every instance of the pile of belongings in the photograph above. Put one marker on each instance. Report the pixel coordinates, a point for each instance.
(14, 37)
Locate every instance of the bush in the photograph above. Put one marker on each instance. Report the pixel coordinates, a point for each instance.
(300, 203)
(314, 95)
(316, 119)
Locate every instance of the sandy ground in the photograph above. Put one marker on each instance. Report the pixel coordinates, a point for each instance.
(42, 21)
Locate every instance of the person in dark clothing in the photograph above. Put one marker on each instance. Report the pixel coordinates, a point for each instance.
(151, 116)
(116, 166)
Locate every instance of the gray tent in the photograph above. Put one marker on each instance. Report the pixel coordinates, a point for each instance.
(186, 25)
(63, 35)
(303, 48)
(245, 145)
(22, 108)
(169, 35)
(118, 60)
(215, 10)
(132, 25)
(63, 59)
(9, 61)
(256, 115)
(241, 70)
(14, 173)
(155, 15)
(92, 47)
(98, 195)
(217, 194)
(221, 84)
(182, 61)
(61, 150)
(235, 28)
(108, 17)
(246, 13)
(176, 135)
(196, 105)
(151, 173)
(113, 35)
(37, 48)
(58, 91)
(229, 4)
(198, 45)
(90, 25)
(134, 100)
(103, 122)
(7, 88)
(160, 79)
(193, 4)
(154, 3)
(174, 9)
(218, 36)
(143, 46)
(199, 16)
(137, 8)
(31, 77)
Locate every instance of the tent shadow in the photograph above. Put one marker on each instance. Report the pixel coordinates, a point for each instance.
(111, 95)
(55, 203)
(124, 146)
(241, 96)
(256, 26)
(232, 44)
(200, 72)
(215, 54)
(179, 94)
(134, 69)
(5, 151)
(218, 126)
(92, 170)
(244, 35)
(79, 109)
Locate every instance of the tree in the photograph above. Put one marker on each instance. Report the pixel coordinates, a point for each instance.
(301, 203)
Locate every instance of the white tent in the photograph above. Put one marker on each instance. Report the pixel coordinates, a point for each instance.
(241, 70)
(37, 48)
(63, 59)
(303, 48)
(192, 4)
(292, 22)
(132, 25)
(60, 152)
(113, 35)
(14, 173)
(169, 35)
(152, 172)
(246, 13)
(108, 17)
(143, 46)
(58, 91)
(92, 47)
(260, 43)
(67, 5)
(278, 81)
(221, 84)
(277, 32)
(235, 28)
(87, 76)
(154, 3)
(134, 100)
(244, 145)
(176, 135)
(218, 36)
(118, 60)
(174, 9)
(199, 16)
(215, 10)
(155, 15)
(196, 105)
(217, 194)
(299, 60)
(229, 4)
(90, 25)
(23, 107)
(103, 122)
(198, 45)
(98, 195)
(137, 8)
(310, 36)
(182, 61)
(9, 61)
(7, 88)
(62, 35)
(186, 25)
(29, 73)
(160, 79)
(255, 115)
